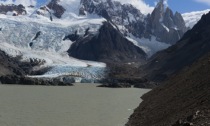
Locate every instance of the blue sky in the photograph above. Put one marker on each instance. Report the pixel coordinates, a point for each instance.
(181, 6)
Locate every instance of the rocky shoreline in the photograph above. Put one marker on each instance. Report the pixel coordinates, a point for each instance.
(13, 79)
(127, 83)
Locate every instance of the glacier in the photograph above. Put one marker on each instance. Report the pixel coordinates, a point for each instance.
(17, 35)
(150, 46)
(35, 37)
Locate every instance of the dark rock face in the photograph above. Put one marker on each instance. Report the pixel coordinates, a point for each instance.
(182, 100)
(108, 45)
(9, 66)
(58, 9)
(119, 14)
(162, 23)
(82, 11)
(54, 6)
(72, 37)
(37, 35)
(168, 27)
(19, 9)
(194, 44)
(189, 120)
(13, 79)
(28, 66)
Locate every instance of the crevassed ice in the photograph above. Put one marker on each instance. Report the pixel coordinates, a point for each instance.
(17, 35)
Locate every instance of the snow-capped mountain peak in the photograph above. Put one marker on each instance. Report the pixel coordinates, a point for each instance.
(123, 14)
(49, 28)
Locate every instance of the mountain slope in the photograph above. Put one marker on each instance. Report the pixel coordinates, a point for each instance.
(44, 30)
(134, 25)
(182, 100)
(194, 44)
(131, 20)
(108, 45)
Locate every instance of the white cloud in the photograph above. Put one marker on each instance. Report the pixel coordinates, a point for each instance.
(139, 4)
(26, 2)
(203, 1)
(17, 2)
(165, 3)
(6, 2)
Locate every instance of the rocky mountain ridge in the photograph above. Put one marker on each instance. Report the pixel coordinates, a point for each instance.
(47, 29)
(131, 22)
(108, 45)
(13, 9)
(163, 21)
(160, 21)
(193, 45)
(182, 99)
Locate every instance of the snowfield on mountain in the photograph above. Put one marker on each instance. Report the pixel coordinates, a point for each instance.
(41, 33)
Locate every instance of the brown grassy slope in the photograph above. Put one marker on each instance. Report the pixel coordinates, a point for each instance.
(179, 97)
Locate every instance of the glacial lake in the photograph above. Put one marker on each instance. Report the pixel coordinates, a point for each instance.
(79, 105)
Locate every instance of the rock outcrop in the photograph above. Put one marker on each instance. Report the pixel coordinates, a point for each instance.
(194, 44)
(14, 10)
(57, 9)
(162, 23)
(168, 27)
(108, 45)
(9, 66)
(52, 8)
(22, 80)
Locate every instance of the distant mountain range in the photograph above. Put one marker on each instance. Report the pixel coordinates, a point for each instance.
(62, 30)
(108, 42)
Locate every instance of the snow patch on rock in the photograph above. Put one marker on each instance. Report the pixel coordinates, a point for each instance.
(150, 46)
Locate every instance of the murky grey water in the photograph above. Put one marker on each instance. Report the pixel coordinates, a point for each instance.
(80, 105)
